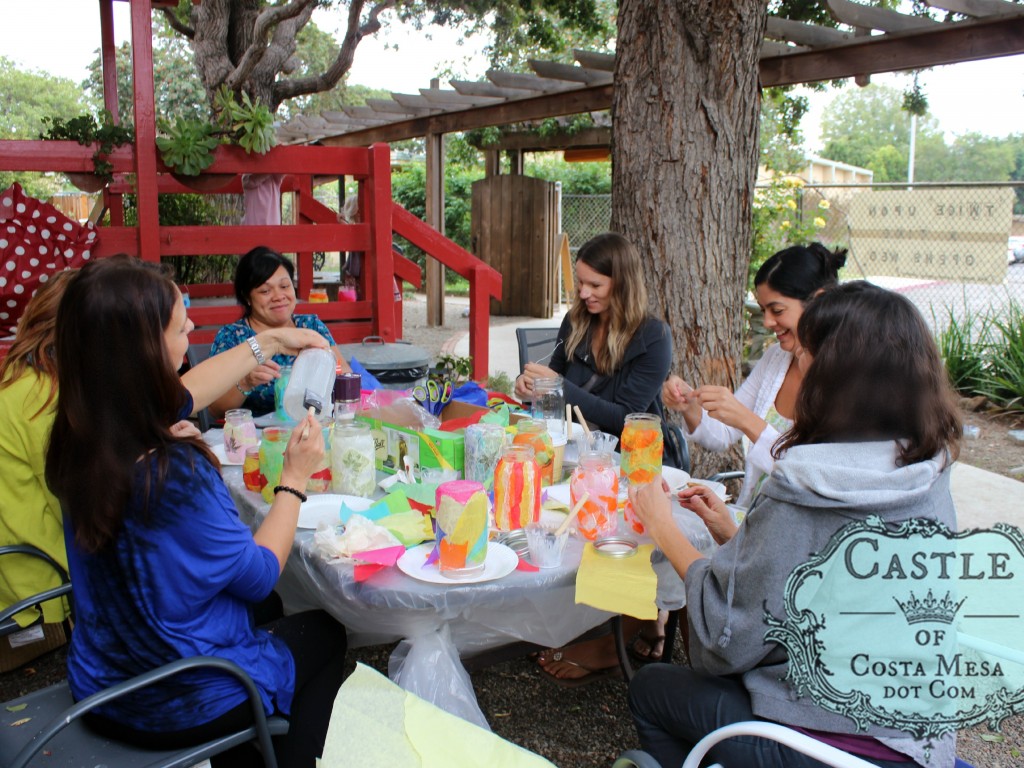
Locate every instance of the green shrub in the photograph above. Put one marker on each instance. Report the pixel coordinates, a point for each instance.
(963, 344)
(1002, 380)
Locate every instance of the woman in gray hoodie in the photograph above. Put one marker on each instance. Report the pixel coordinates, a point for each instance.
(876, 429)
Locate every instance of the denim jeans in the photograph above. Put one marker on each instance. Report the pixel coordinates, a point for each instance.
(674, 707)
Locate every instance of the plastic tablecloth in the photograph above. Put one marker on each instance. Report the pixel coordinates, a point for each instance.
(438, 624)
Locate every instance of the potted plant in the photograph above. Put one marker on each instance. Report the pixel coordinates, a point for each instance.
(87, 130)
(187, 144)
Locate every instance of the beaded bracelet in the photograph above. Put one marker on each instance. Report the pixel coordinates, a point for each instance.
(245, 392)
(288, 489)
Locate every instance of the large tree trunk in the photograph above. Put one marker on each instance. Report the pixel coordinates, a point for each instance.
(684, 155)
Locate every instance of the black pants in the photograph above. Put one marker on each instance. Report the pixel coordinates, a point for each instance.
(317, 643)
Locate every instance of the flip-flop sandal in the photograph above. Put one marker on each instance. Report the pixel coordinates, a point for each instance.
(655, 645)
(592, 675)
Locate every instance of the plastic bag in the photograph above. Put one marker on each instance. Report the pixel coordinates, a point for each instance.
(402, 412)
(428, 665)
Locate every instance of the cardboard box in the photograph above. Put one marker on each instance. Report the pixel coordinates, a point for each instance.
(28, 644)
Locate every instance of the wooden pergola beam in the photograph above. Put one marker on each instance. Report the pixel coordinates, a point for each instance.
(947, 44)
(531, 142)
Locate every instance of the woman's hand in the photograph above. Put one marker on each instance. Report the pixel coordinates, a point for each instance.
(678, 395)
(652, 506)
(259, 375)
(184, 429)
(303, 455)
(722, 405)
(703, 502)
(532, 372)
(289, 341)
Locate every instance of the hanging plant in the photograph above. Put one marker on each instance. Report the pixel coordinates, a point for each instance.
(88, 131)
(187, 145)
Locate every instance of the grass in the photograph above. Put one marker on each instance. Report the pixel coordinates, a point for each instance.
(963, 346)
(984, 354)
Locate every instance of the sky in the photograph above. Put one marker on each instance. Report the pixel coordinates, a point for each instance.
(983, 96)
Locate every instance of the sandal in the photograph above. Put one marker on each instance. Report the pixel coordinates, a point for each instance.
(647, 648)
(589, 676)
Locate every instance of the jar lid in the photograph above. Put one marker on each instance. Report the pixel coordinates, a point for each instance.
(347, 387)
(616, 546)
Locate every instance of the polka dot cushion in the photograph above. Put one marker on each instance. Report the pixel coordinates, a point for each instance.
(36, 240)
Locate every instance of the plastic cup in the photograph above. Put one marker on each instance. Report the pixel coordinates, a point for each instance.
(280, 385)
(558, 445)
(545, 544)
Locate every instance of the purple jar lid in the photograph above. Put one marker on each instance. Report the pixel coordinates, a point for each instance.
(347, 387)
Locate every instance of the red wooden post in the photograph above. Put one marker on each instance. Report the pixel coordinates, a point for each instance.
(304, 188)
(479, 320)
(109, 58)
(379, 260)
(145, 130)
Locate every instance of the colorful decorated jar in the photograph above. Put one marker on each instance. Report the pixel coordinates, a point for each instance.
(254, 479)
(534, 433)
(484, 444)
(641, 446)
(320, 480)
(272, 447)
(239, 434)
(461, 513)
(516, 488)
(596, 477)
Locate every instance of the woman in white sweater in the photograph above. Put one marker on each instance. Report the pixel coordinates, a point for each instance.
(762, 408)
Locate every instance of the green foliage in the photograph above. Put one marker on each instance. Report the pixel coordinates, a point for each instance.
(26, 97)
(499, 382)
(87, 130)
(187, 210)
(188, 143)
(1002, 380)
(963, 345)
(577, 178)
(783, 215)
(454, 368)
(781, 138)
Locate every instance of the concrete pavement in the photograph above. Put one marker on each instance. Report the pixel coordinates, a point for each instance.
(982, 498)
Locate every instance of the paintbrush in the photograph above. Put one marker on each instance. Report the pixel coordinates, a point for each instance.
(315, 405)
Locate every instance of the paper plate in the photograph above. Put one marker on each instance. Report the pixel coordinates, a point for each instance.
(675, 477)
(222, 455)
(501, 561)
(326, 507)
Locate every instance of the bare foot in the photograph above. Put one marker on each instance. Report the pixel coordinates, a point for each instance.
(580, 659)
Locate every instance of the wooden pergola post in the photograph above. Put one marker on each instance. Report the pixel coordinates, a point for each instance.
(435, 218)
(145, 130)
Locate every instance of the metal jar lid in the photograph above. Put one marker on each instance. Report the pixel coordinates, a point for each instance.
(515, 540)
(616, 546)
(377, 355)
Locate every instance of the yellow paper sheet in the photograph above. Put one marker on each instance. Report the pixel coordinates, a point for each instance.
(374, 722)
(626, 585)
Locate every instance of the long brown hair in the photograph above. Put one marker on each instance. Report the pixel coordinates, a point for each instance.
(33, 341)
(876, 374)
(611, 255)
(118, 394)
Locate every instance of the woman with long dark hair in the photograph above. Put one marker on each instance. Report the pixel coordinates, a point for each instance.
(876, 428)
(162, 565)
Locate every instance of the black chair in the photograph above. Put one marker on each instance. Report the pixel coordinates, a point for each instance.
(536, 345)
(7, 623)
(69, 743)
(196, 354)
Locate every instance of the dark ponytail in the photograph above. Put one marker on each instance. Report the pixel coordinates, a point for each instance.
(801, 271)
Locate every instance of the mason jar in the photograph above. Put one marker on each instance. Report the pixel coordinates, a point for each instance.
(641, 447)
(516, 488)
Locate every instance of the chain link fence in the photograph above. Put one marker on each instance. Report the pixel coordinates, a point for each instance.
(948, 247)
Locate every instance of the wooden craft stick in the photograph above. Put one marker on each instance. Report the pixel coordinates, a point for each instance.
(583, 422)
(575, 511)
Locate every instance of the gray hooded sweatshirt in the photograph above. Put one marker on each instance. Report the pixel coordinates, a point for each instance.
(813, 491)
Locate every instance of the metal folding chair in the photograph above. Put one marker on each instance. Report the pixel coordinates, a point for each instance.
(535, 344)
(196, 354)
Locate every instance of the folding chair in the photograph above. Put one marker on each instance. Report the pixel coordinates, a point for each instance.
(795, 740)
(7, 623)
(66, 742)
(194, 356)
(535, 344)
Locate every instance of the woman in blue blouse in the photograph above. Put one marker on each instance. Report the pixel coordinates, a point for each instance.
(265, 288)
(162, 565)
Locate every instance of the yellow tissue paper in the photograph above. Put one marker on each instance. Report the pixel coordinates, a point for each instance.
(624, 585)
(410, 528)
(374, 722)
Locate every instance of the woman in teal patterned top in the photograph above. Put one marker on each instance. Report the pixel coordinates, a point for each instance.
(265, 288)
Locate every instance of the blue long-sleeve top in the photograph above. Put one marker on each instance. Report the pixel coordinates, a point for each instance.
(176, 584)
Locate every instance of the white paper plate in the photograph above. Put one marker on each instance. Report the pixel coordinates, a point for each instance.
(222, 455)
(327, 506)
(501, 561)
(675, 477)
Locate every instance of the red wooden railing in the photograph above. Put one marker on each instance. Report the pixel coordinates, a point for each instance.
(377, 313)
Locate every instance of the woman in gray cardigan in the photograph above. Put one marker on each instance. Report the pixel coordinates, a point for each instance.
(876, 429)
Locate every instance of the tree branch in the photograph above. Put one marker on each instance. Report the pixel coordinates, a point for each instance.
(267, 20)
(176, 24)
(355, 32)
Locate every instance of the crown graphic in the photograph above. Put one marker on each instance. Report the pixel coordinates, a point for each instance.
(930, 609)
